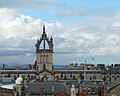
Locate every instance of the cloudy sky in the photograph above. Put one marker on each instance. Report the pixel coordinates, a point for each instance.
(81, 29)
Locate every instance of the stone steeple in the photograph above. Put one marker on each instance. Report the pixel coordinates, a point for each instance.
(44, 29)
(44, 54)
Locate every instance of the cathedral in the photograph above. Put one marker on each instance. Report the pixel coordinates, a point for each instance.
(43, 68)
(80, 79)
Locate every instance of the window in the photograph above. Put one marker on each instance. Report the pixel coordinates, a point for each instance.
(47, 58)
(65, 78)
(57, 77)
(110, 78)
(61, 75)
(84, 89)
(89, 90)
(112, 75)
(94, 77)
(74, 78)
(90, 78)
(44, 58)
(93, 90)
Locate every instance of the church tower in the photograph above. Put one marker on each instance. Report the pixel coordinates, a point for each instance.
(44, 56)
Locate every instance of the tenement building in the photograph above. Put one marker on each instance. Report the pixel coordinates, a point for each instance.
(42, 78)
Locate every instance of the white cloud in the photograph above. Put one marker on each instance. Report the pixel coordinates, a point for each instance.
(94, 36)
(116, 24)
(19, 32)
(14, 24)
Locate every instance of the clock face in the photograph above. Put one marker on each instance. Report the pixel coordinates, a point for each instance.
(114, 95)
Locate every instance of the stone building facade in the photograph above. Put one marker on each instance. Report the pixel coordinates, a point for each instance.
(114, 91)
(43, 69)
(44, 56)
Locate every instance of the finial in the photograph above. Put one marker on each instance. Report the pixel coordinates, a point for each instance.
(51, 38)
(44, 27)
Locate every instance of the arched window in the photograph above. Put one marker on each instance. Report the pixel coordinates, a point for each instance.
(28, 76)
(82, 77)
(65, 78)
(90, 78)
(89, 90)
(44, 58)
(112, 75)
(61, 75)
(84, 89)
(110, 79)
(93, 90)
(57, 77)
(74, 78)
(94, 77)
(15, 77)
(9, 75)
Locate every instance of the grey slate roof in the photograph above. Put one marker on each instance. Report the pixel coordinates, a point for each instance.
(5, 81)
(64, 68)
(87, 84)
(71, 82)
(77, 71)
(49, 87)
(109, 85)
(112, 85)
(113, 70)
(17, 71)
